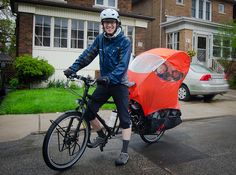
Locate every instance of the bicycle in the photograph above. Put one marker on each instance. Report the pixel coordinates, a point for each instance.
(67, 137)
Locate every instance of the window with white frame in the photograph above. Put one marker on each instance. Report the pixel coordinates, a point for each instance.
(129, 32)
(173, 40)
(194, 8)
(222, 47)
(208, 10)
(77, 34)
(179, 1)
(60, 32)
(82, 33)
(221, 8)
(42, 30)
(201, 9)
(92, 32)
(106, 3)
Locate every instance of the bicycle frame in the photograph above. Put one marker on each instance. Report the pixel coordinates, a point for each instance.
(83, 104)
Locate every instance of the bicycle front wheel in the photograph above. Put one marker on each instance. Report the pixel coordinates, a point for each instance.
(65, 141)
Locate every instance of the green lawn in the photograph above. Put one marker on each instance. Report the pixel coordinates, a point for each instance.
(40, 101)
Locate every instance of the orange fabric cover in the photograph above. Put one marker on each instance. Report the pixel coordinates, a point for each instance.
(154, 93)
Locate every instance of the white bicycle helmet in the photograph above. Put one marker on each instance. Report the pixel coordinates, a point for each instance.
(109, 14)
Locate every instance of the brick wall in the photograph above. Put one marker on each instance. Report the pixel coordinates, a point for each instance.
(123, 5)
(148, 10)
(222, 18)
(173, 9)
(83, 3)
(184, 36)
(140, 40)
(25, 33)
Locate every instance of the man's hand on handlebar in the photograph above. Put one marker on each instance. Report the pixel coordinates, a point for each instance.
(68, 72)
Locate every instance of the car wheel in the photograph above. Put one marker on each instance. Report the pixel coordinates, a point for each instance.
(208, 98)
(183, 93)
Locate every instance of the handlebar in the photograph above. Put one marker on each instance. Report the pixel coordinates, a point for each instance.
(87, 80)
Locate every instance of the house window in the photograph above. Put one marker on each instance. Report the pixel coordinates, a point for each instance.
(77, 34)
(42, 31)
(129, 32)
(221, 47)
(216, 47)
(208, 10)
(179, 1)
(60, 32)
(106, 3)
(173, 40)
(93, 31)
(194, 8)
(200, 12)
(221, 8)
(201, 9)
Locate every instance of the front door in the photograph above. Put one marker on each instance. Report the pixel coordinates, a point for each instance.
(202, 51)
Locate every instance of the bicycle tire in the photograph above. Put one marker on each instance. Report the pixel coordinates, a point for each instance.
(156, 137)
(65, 143)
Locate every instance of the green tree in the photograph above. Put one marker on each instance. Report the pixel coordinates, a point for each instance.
(228, 32)
(7, 29)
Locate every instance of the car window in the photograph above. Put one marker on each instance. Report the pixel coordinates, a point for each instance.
(200, 68)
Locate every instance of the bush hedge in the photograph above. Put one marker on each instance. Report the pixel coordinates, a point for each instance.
(30, 69)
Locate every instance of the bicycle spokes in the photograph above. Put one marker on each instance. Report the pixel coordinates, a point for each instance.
(67, 140)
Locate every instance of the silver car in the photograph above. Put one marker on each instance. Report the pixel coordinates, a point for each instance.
(201, 80)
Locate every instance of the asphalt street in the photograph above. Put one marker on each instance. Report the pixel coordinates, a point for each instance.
(197, 147)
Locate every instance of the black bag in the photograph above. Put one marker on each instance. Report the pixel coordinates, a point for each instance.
(172, 119)
(153, 122)
(169, 117)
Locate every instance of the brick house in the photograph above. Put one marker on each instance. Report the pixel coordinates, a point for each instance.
(59, 30)
(189, 25)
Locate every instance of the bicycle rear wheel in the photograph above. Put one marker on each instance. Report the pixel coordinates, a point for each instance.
(152, 138)
(65, 141)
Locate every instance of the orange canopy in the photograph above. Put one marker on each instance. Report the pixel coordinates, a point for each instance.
(158, 74)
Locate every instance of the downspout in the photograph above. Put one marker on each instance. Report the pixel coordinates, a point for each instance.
(160, 22)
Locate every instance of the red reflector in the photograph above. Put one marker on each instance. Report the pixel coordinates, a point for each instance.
(205, 77)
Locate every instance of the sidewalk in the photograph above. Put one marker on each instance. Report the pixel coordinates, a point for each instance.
(14, 127)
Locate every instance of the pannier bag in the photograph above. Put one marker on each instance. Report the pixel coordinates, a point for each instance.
(167, 119)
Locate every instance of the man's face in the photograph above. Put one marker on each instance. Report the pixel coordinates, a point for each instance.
(109, 26)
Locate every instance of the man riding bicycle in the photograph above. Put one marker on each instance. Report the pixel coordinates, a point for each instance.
(114, 50)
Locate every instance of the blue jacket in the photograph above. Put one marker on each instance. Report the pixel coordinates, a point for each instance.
(114, 54)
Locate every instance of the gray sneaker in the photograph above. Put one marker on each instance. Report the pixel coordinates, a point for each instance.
(122, 159)
(97, 141)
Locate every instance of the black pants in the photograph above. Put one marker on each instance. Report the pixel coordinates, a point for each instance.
(120, 95)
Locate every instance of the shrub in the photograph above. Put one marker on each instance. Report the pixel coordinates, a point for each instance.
(14, 83)
(230, 71)
(56, 84)
(191, 53)
(232, 82)
(31, 69)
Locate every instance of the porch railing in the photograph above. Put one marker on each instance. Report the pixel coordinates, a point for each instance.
(216, 66)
